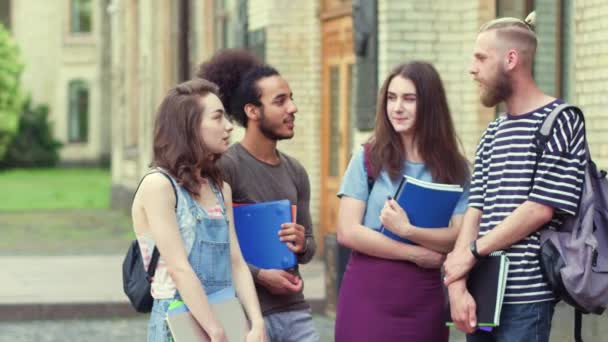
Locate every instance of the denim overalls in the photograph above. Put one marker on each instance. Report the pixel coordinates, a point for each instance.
(207, 243)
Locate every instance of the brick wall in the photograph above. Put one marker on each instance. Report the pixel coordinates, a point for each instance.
(293, 47)
(259, 13)
(591, 73)
(443, 33)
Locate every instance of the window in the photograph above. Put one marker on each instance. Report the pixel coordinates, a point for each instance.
(554, 58)
(221, 24)
(78, 115)
(81, 14)
(553, 63)
(516, 9)
(230, 23)
(257, 43)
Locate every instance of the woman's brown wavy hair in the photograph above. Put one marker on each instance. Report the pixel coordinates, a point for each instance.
(178, 144)
(434, 132)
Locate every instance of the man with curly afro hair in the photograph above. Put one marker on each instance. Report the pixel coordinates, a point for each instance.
(259, 99)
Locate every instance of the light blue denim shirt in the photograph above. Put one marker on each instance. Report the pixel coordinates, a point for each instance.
(354, 185)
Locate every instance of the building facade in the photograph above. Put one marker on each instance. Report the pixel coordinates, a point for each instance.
(64, 46)
(335, 54)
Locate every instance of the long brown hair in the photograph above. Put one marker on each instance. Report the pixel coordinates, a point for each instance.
(434, 133)
(178, 144)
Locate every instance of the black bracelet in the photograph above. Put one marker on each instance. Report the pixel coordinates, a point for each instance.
(473, 248)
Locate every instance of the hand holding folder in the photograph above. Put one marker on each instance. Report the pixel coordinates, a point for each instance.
(257, 226)
(428, 205)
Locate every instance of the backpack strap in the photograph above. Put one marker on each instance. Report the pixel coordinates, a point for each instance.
(541, 138)
(155, 254)
(544, 131)
(367, 164)
(578, 324)
(153, 261)
(164, 173)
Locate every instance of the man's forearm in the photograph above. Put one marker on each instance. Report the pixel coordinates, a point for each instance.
(470, 228)
(309, 251)
(523, 221)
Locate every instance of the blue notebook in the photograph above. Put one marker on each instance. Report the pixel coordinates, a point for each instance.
(257, 227)
(428, 205)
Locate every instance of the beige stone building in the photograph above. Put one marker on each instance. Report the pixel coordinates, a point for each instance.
(104, 65)
(335, 53)
(64, 46)
(334, 59)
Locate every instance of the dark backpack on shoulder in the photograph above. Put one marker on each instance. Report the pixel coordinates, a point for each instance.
(574, 258)
(136, 280)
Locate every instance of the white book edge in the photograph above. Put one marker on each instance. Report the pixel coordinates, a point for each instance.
(434, 186)
(502, 286)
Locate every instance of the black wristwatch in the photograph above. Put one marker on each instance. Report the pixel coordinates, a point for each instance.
(473, 248)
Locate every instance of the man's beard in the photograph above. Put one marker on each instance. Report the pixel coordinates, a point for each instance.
(498, 91)
(268, 130)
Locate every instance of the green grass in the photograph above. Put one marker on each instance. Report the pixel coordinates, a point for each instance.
(60, 212)
(30, 189)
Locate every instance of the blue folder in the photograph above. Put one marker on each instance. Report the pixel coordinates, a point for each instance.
(257, 228)
(428, 205)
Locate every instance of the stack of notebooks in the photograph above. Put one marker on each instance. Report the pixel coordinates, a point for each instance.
(486, 284)
(428, 205)
(257, 228)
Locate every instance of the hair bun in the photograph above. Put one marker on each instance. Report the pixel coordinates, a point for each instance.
(531, 20)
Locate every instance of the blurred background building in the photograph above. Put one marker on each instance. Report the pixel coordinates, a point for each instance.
(104, 65)
(335, 53)
(64, 45)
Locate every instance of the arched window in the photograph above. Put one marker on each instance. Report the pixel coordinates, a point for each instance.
(78, 115)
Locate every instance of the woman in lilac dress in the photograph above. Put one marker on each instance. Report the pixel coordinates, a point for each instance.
(392, 291)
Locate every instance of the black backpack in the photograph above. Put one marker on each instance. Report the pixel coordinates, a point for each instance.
(136, 280)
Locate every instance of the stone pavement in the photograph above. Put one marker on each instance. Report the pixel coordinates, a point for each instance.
(59, 298)
(66, 287)
(102, 330)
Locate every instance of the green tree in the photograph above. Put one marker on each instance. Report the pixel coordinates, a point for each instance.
(33, 144)
(10, 95)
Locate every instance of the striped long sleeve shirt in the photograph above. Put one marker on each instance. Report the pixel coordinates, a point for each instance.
(503, 179)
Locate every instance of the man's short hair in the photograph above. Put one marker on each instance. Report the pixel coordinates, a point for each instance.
(516, 33)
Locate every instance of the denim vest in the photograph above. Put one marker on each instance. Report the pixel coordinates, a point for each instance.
(207, 243)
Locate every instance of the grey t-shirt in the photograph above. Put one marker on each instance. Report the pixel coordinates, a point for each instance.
(254, 181)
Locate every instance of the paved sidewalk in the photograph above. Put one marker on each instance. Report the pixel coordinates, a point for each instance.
(65, 287)
(88, 291)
